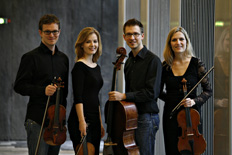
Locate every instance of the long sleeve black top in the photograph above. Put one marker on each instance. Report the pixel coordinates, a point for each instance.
(37, 70)
(143, 80)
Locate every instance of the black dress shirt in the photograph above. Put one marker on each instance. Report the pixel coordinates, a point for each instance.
(143, 80)
(37, 70)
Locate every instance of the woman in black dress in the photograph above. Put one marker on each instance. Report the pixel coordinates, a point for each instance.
(179, 62)
(87, 82)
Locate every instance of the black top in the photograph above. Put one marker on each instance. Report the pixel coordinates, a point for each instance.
(37, 70)
(87, 83)
(174, 94)
(221, 80)
(174, 88)
(143, 80)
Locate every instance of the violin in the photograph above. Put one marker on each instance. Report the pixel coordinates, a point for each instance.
(121, 119)
(55, 133)
(189, 119)
(85, 148)
(187, 94)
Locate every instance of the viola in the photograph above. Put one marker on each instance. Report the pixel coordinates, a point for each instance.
(189, 119)
(55, 133)
(121, 119)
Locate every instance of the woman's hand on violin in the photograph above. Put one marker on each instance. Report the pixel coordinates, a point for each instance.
(188, 102)
(82, 128)
(116, 96)
(50, 90)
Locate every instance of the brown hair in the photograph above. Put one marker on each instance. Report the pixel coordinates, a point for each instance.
(48, 19)
(133, 22)
(83, 35)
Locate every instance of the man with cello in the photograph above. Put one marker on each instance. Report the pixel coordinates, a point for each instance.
(143, 71)
(35, 75)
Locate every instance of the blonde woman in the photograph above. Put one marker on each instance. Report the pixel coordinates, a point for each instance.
(179, 62)
(87, 82)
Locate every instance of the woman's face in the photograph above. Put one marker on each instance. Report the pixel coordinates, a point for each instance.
(90, 46)
(226, 43)
(178, 42)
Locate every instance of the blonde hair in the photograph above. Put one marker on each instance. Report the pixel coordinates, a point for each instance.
(168, 53)
(220, 44)
(83, 35)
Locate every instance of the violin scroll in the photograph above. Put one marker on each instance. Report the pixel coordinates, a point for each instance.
(184, 81)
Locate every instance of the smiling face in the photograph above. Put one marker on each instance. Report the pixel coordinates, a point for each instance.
(226, 43)
(133, 37)
(178, 42)
(49, 39)
(90, 46)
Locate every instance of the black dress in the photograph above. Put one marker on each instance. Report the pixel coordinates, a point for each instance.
(87, 83)
(221, 87)
(174, 94)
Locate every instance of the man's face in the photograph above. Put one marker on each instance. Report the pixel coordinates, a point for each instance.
(50, 34)
(133, 37)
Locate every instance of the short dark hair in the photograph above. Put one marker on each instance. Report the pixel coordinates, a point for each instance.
(48, 19)
(133, 22)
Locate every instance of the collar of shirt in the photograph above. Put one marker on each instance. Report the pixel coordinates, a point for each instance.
(141, 54)
(47, 50)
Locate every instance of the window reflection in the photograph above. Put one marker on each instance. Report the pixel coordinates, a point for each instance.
(221, 91)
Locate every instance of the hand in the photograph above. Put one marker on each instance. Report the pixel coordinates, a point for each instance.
(82, 128)
(102, 131)
(222, 102)
(116, 96)
(50, 90)
(188, 102)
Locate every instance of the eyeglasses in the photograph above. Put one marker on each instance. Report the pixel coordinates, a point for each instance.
(136, 35)
(55, 32)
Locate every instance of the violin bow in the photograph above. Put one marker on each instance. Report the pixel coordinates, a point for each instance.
(41, 129)
(179, 104)
(82, 141)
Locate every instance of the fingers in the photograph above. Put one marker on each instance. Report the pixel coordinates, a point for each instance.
(112, 96)
(116, 96)
(102, 132)
(50, 90)
(82, 128)
(188, 102)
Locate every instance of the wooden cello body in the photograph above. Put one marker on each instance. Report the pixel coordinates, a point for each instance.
(121, 118)
(124, 123)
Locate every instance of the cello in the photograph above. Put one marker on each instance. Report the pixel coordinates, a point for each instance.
(55, 133)
(121, 119)
(189, 119)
